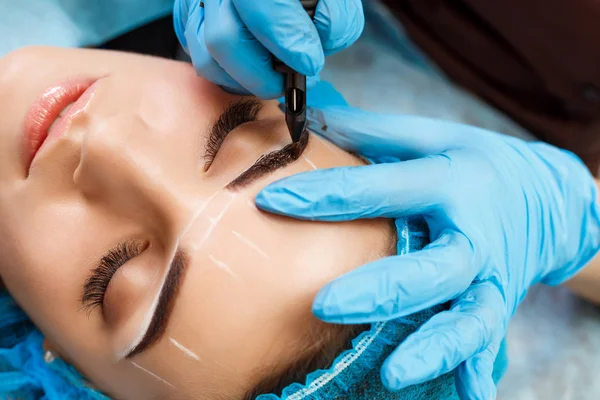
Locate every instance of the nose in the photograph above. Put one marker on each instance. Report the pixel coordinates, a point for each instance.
(125, 168)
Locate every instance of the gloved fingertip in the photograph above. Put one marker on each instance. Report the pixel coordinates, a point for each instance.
(266, 200)
(239, 91)
(474, 379)
(307, 59)
(334, 45)
(391, 376)
(324, 308)
(271, 87)
(486, 382)
(339, 24)
(486, 388)
(312, 81)
(277, 199)
(310, 65)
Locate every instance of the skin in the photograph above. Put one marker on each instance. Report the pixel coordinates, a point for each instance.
(587, 282)
(130, 167)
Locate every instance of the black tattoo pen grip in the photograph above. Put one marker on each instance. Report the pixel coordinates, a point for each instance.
(295, 88)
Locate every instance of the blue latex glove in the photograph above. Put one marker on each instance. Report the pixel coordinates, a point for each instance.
(503, 214)
(231, 41)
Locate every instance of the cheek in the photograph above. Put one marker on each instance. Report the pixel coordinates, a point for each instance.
(51, 253)
(41, 252)
(53, 250)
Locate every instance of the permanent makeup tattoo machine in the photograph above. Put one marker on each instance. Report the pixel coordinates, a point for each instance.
(295, 88)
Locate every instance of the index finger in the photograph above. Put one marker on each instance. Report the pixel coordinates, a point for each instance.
(286, 30)
(398, 286)
(373, 135)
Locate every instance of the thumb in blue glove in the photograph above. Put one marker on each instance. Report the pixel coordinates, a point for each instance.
(503, 214)
(231, 41)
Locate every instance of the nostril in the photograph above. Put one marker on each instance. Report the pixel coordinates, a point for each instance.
(90, 174)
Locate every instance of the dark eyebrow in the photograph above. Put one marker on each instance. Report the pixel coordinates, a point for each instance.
(239, 113)
(271, 162)
(166, 303)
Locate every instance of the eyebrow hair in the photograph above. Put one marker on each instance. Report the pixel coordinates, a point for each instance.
(271, 162)
(235, 114)
(166, 303)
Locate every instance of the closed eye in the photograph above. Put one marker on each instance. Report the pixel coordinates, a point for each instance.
(235, 115)
(97, 283)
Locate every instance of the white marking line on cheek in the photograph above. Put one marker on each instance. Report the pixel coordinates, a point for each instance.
(153, 374)
(184, 349)
(312, 165)
(249, 243)
(223, 266)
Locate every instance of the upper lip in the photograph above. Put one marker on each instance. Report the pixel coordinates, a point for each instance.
(46, 110)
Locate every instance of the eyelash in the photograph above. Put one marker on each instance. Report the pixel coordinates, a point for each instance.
(97, 283)
(237, 114)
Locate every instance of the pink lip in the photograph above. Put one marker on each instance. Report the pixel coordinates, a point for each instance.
(46, 109)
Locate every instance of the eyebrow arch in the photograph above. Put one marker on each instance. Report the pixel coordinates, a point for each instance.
(166, 303)
(271, 162)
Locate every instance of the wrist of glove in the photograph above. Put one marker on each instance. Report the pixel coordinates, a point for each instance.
(572, 248)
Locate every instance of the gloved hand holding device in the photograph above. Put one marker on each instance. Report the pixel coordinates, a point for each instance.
(503, 214)
(231, 41)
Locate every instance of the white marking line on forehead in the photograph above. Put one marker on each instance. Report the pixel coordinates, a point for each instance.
(152, 374)
(312, 165)
(249, 243)
(223, 266)
(213, 223)
(195, 217)
(184, 349)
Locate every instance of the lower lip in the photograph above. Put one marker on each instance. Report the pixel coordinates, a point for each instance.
(46, 109)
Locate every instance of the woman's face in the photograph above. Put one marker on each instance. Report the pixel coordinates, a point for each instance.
(131, 251)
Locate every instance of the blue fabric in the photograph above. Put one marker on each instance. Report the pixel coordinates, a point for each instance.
(23, 372)
(73, 23)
